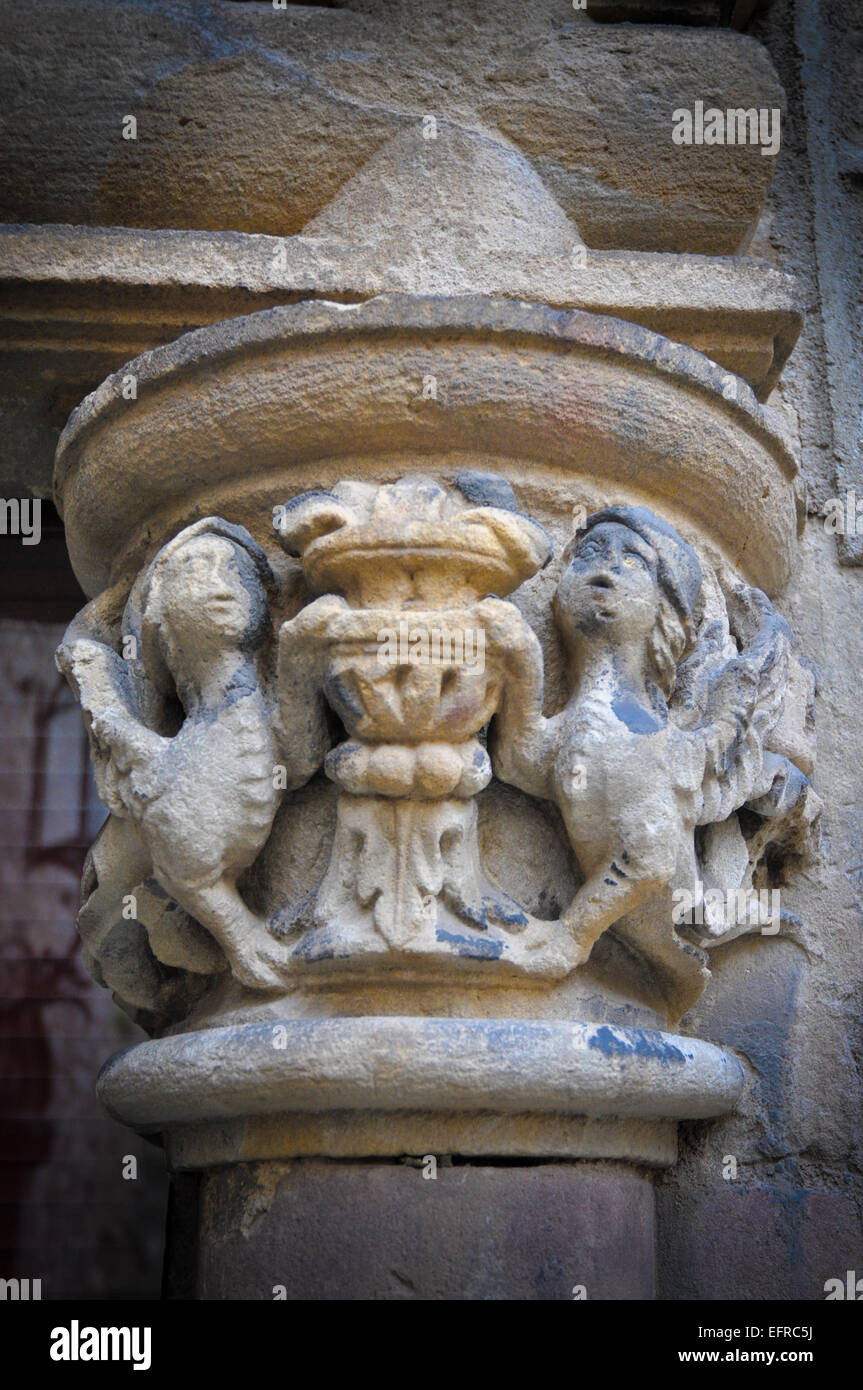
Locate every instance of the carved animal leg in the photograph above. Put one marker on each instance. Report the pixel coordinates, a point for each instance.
(116, 864)
(608, 895)
(253, 955)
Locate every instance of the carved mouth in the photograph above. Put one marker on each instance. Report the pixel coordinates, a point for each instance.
(221, 609)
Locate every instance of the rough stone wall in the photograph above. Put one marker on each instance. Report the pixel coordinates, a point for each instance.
(792, 1217)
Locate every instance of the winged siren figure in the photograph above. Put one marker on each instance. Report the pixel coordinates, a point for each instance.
(633, 777)
(201, 797)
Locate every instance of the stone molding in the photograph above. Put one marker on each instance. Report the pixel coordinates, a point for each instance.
(388, 1086)
(82, 301)
(311, 386)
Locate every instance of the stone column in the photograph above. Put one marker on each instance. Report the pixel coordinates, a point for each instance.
(413, 986)
(430, 666)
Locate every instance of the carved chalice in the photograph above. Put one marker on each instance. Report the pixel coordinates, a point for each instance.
(400, 637)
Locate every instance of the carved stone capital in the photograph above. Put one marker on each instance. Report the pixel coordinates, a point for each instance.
(443, 717)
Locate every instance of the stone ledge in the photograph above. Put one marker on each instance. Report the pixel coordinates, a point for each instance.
(253, 119)
(338, 386)
(376, 1085)
(342, 1134)
(81, 301)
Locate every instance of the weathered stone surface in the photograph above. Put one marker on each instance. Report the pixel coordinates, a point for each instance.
(675, 668)
(778, 1240)
(382, 1134)
(79, 302)
(342, 1231)
(305, 387)
(714, 12)
(252, 119)
(549, 139)
(625, 607)
(401, 1069)
(199, 625)
(832, 93)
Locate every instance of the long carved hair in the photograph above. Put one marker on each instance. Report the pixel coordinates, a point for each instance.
(668, 645)
(678, 576)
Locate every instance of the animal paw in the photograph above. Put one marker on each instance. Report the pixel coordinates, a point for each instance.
(552, 949)
(261, 967)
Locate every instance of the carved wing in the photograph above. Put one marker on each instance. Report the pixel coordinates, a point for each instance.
(743, 703)
(128, 768)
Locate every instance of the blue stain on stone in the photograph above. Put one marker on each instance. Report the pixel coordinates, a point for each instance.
(481, 948)
(636, 718)
(639, 1042)
(509, 1037)
(486, 490)
(501, 914)
(490, 912)
(317, 946)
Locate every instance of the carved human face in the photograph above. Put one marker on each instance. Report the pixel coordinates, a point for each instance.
(610, 586)
(211, 595)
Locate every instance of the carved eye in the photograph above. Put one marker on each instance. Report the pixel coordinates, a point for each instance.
(587, 550)
(633, 560)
